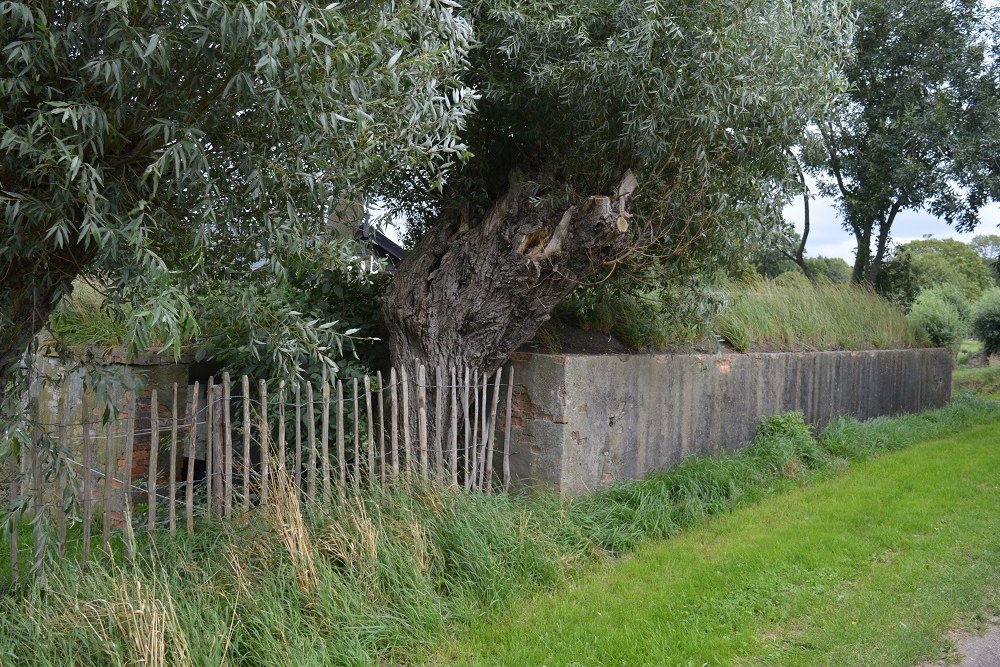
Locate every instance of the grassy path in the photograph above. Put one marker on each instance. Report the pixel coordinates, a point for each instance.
(871, 567)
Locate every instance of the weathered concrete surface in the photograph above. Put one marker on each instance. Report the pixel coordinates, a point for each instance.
(581, 422)
(142, 373)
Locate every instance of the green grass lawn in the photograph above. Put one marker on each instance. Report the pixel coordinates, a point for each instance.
(870, 567)
(968, 348)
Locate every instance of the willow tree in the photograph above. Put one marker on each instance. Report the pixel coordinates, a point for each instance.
(650, 133)
(157, 144)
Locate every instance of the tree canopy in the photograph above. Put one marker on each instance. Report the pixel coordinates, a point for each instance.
(929, 263)
(698, 102)
(920, 124)
(158, 145)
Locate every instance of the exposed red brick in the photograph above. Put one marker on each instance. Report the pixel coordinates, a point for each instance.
(525, 410)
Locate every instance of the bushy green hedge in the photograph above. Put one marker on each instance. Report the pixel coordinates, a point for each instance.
(936, 315)
(986, 320)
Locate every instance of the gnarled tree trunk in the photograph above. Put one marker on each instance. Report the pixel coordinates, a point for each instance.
(470, 293)
(29, 290)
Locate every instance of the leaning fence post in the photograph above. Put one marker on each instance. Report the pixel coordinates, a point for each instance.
(325, 442)
(60, 506)
(218, 454)
(371, 431)
(38, 502)
(110, 461)
(454, 427)
(475, 430)
(422, 417)
(172, 491)
(406, 416)
(281, 426)
(227, 456)
(491, 434)
(298, 438)
(394, 405)
(467, 464)
(127, 476)
(210, 444)
(245, 386)
(357, 440)
(381, 429)
(438, 422)
(484, 434)
(311, 439)
(265, 444)
(12, 518)
(341, 459)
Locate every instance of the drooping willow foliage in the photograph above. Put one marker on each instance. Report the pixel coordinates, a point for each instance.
(159, 145)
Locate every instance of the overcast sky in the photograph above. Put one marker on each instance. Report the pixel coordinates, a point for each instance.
(828, 238)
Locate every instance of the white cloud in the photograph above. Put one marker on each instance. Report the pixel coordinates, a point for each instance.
(827, 236)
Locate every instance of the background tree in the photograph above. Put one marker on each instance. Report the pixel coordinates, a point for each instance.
(921, 265)
(988, 247)
(161, 146)
(920, 125)
(656, 132)
(831, 269)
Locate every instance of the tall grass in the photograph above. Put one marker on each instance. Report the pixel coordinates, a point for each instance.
(984, 380)
(772, 317)
(372, 578)
(82, 319)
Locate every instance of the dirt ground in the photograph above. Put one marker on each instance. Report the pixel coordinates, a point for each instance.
(973, 649)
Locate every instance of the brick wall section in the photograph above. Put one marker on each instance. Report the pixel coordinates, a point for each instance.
(523, 409)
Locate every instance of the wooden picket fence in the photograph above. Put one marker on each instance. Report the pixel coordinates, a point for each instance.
(209, 450)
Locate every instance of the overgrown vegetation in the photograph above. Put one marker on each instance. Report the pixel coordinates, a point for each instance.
(84, 320)
(786, 313)
(370, 579)
(939, 319)
(979, 380)
(797, 316)
(321, 319)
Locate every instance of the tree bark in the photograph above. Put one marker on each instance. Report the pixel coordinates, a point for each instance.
(799, 256)
(29, 291)
(862, 255)
(470, 294)
(882, 245)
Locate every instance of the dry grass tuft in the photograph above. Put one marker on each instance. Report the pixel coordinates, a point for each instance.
(353, 541)
(286, 517)
(136, 618)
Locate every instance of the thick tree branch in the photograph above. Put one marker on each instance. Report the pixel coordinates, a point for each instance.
(473, 294)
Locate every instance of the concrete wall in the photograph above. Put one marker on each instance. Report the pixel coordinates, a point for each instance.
(581, 422)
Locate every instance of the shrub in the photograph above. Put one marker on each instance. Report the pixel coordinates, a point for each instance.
(954, 296)
(939, 319)
(986, 320)
(83, 319)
